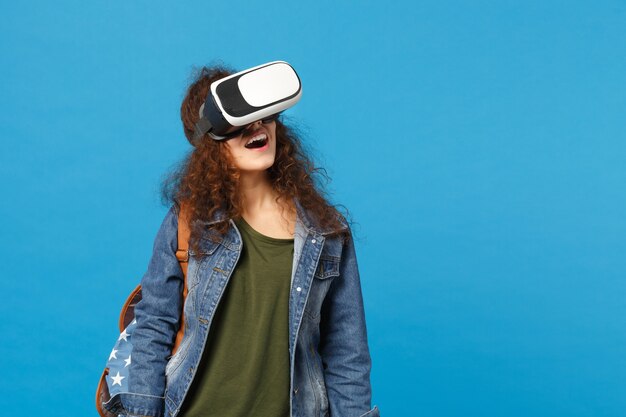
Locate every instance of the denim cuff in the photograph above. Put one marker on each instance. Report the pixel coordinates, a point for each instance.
(374, 412)
(132, 404)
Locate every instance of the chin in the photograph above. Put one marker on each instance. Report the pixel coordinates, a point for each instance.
(259, 166)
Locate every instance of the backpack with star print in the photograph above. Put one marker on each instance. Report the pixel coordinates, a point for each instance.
(119, 360)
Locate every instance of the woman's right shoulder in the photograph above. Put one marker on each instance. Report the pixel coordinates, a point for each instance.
(167, 233)
(172, 214)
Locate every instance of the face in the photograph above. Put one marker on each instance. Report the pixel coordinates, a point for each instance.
(254, 157)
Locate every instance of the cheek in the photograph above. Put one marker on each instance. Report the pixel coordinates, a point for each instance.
(233, 154)
(230, 149)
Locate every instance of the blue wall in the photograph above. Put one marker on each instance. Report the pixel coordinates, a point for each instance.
(480, 146)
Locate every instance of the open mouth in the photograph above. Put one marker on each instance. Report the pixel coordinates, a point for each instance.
(258, 141)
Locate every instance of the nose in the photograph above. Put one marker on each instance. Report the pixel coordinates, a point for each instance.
(251, 126)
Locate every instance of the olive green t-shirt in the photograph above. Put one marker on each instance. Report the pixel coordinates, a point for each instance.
(244, 370)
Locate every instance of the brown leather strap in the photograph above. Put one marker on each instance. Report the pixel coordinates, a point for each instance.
(182, 254)
(128, 310)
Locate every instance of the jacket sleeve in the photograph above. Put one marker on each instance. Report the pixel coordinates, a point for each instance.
(343, 342)
(157, 315)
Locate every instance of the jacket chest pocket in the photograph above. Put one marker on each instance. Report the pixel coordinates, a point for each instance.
(327, 270)
(198, 261)
(327, 267)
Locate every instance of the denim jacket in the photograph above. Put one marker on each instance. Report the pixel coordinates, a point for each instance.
(329, 356)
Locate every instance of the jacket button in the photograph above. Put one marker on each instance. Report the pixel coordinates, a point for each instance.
(313, 240)
(298, 289)
(295, 391)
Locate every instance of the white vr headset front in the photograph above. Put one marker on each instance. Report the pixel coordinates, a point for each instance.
(245, 97)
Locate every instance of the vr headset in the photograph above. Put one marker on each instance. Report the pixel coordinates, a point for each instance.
(258, 93)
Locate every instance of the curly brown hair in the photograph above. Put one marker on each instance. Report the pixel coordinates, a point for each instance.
(206, 180)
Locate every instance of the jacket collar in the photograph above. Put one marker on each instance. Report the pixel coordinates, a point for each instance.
(303, 216)
(311, 224)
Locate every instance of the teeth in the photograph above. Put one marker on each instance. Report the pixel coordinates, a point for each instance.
(262, 136)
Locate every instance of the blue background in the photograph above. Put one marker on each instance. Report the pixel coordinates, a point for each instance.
(479, 146)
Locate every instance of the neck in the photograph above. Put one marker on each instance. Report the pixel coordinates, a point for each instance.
(257, 191)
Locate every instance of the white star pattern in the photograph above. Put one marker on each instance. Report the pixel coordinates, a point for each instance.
(120, 360)
(117, 379)
(124, 336)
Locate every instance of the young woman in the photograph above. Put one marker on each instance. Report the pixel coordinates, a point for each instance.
(274, 316)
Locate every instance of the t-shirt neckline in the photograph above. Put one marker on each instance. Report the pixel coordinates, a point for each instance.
(242, 222)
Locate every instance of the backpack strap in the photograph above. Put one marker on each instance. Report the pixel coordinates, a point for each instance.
(182, 254)
(128, 310)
